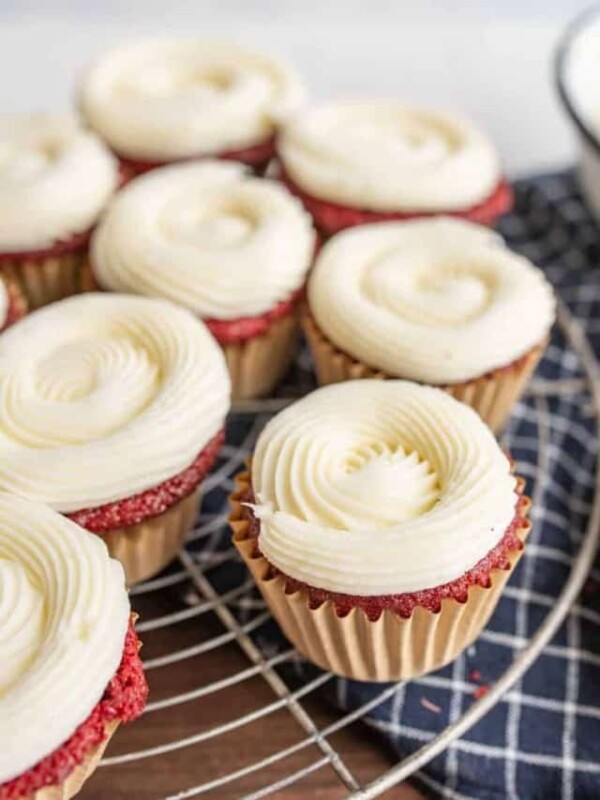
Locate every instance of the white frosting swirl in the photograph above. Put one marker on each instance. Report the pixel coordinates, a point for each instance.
(439, 301)
(63, 617)
(383, 156)
(178, 98)
(208, 236)
(379, 487)
(104, 396)
(55, 179)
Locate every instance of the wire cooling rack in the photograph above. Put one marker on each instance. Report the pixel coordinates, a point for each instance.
(228, 716)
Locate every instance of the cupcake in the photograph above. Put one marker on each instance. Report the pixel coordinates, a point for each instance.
(232, 248)
(55, 179)
(380, 520)
(13, 304)
(70, 672)
(112, 410)
(361, 162)
(159, 101)
(440, 302)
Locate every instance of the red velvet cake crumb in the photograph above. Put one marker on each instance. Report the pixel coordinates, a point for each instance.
(74, 243)
(404, 604)
(332, 217)
(230, 331)
(124, 700)
(256, 156)
(152, 502)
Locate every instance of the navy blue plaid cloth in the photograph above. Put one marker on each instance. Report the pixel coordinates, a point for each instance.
(542, 740)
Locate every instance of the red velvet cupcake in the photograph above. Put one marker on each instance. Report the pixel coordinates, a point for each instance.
(120, 414)
(356, 163)
(232, 248)
(158, 102)
(55, 184)
(64, 620)
(380, 521)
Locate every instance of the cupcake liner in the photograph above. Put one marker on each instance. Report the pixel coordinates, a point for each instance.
(256, 365)
(17, 302)
(492, 395)
(47, 279)
(75, 780)
(392, 648)
(148, 546)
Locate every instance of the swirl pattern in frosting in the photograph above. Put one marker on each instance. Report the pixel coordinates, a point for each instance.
(165, 99)
(64, 613)
(439, 301)
(55, 179)
(383, 156)
(104, 396)
(208, 236)
(379, 487)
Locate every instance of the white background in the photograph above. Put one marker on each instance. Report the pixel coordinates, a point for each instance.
(491, 59)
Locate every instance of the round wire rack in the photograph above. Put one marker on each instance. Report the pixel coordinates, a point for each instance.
(227, 715)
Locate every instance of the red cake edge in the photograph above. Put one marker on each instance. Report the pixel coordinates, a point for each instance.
(403, 605)
(256, 156)
(152, 502)
(233, 331)
(331, 218)
(124, 699)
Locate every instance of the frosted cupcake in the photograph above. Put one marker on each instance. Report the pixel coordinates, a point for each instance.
(70, 672)
(55, 179)
(160, 101)
(13, 304)
(358, 162)
(380, 521)
(233, 249)
(111, 411)
(441, 302)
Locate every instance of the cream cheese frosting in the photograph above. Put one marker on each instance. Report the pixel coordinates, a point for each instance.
(382, 156)
(208, 236)
(379, 487)
(55, 179)
(439, 301)
(104, 396)
(64, 613)
(176, 98)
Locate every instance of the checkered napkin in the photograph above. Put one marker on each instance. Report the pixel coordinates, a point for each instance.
(542, 740)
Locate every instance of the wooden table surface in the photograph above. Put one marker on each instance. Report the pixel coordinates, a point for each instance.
(165, 775)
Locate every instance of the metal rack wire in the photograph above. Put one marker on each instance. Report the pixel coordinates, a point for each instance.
(181, 606)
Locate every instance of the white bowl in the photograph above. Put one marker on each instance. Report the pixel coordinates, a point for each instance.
(577, 70)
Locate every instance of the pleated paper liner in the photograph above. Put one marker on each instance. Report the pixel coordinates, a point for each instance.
(47, 279)
(257, 365)
(492, 395)
(391, 648)
(17, 302)
(147, 547)
(75, 780)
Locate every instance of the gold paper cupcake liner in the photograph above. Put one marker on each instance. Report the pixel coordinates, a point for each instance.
(147, 547)
(45, 280)
(258, 364)
(391, 648)
(492, 395)
(75, 780)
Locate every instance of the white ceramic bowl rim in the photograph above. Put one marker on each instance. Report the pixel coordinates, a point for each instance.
(561, 59)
